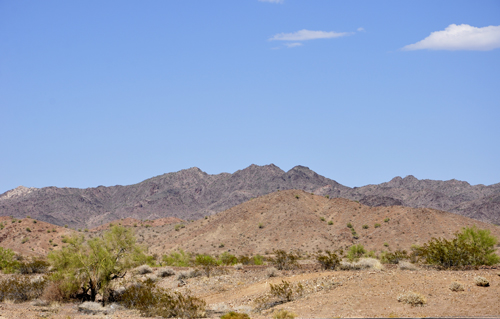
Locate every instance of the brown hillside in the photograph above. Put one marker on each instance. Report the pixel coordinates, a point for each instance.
(33, 242)
(133, 222)
(292, 220)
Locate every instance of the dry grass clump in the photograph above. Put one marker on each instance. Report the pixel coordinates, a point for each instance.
(238, 266)
(481, 281)
(165, 272)
(152, 277)
(284, 314)
(192, 273)
(235, 315)
(363, 263)
(412, 298)
(279, 294)
(405, 265)
(271, 272)
(94, 308)
(144, 269)
(455, 286)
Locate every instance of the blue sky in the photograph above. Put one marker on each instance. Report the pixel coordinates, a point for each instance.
(114, 92)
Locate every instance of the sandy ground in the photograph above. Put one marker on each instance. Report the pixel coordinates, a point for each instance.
(329, 294)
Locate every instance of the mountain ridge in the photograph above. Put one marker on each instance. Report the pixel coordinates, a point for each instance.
(192, 194)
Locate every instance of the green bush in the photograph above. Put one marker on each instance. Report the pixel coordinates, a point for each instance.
(8, 263)
(152, 301)
(284, 261)
(235, 315)
(178, 258)
(349, 225)
(88, 267)
(471, 247)
(258, 260)
(386, 220)
(330, 222)
(355, 252)
(394, 257)
(22, 288)
(35, 266)
(377, 225)
(227, 259)
(322, 219)
(206, 262)
(330, 260)
(365, 226)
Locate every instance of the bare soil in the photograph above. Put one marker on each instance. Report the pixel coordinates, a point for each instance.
(366, 293)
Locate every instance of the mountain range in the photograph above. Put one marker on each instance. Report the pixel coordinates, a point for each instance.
(192, 194)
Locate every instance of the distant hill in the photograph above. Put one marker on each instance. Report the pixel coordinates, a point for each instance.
(192, 194)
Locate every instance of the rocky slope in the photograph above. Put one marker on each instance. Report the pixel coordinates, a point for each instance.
(193, 194)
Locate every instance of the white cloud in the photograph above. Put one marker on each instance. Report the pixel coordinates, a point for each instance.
(361, 29)
(304, 35)
(460, 37)
(273, 1)
(293, 44)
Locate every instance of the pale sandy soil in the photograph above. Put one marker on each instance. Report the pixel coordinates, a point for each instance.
(366, 293)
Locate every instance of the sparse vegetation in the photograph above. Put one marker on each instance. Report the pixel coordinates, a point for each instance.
(365, 226)
(178, 258)
(151, 301)
(386, 220)
(21, 288)
(471, 247)
(481, 281)
(206, 262)
(330, 222)
(330, 260)
(279, 294)
(355, 252)
(349, 225)
(179, 227)
(394, 257)
(235, 315)
(455, 286)
(284, 261)
(284, 314)
(412, 298)
(377, 225)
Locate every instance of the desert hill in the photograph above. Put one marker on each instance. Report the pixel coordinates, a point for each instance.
(30, 237)
(298, 220)
(192, 194)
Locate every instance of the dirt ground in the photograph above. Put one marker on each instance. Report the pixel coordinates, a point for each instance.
(329, 294)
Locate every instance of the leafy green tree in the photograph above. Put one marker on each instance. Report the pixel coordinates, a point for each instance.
(88, 267)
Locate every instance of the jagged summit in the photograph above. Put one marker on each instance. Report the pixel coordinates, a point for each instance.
(192, 194)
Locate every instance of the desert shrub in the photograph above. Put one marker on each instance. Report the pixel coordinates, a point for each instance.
(235, 315)
(365, 226)
(35, 266)
(330, 222)
(143, 269)
(192, 273)
(258, 260)
(271, 272)
(329, 260)
(377, 225)
(386, 220)
(178, 258)
(244, 260)
(394, 257)
(355, 252)
(8, 263)
(284, 261)
(179, 227)
(481, 281)
(86, 268)
(284, 314)
(349, 225)
(227, 259)
(322, 218)
(363, 263)
(405, 265)
(455, 286)
(54, 292)
(412, 298)
(279, 294)
(151, 300)
(21, 288)
(471, 247)
(166, 272)
(206, 262)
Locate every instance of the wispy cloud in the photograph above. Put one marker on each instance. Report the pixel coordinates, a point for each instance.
(304, 35)
(361, 29)
(273, 1)
(460, 37)
(293, 44)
